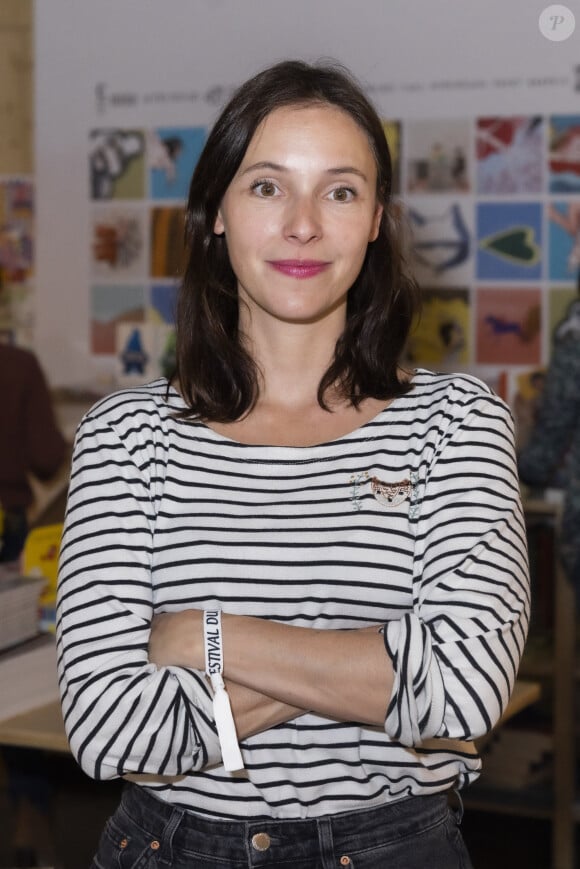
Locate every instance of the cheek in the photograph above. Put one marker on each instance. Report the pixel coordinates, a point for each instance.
(249, 236)
(353, 259)
(355, 246)
(243, 250)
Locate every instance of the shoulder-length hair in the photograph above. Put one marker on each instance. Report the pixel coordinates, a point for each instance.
(217, 376)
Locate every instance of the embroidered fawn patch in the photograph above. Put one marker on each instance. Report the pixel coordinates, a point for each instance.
(389, 495)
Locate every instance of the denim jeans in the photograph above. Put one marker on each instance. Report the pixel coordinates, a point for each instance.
(415, 833)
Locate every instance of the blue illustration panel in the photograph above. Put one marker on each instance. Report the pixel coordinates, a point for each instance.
(163, 301)
(172, 153)
(509, 241)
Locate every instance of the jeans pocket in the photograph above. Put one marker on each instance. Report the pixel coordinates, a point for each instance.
(438, 846)
(123, 847)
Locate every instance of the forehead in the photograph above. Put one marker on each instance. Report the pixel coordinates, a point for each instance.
(323, 130)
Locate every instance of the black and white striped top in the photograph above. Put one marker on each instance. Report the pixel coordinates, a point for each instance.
(413, 519)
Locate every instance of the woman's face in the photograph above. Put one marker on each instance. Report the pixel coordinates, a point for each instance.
(299, 214)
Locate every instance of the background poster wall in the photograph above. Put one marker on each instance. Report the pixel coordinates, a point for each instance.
(16, 182)
(482, 112)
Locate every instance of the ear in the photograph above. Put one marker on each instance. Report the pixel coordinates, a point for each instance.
(218, 227)
(376, 223)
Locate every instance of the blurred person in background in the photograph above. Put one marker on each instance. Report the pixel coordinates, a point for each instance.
(551, 456)
(30, 443)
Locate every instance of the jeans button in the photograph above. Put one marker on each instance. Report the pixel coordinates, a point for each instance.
(261, 841)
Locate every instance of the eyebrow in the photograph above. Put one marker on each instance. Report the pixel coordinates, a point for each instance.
(277, 167)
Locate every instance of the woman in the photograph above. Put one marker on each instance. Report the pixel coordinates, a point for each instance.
(359, 528)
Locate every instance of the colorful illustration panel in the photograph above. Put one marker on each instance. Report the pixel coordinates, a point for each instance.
(16, 231)
(140, 351)
(117, 164)
(442, 240)
(564, 247)
(118, 242)
(510, 155)
(564, 158)
(509, 237)
(16, 200)
(172, 153)
(112, 305)
(440, 338)
(437, 156)
(508, 327)
(162, 304)
(167, 251)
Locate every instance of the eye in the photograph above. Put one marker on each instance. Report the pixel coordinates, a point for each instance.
(342, 194)
(263, 188)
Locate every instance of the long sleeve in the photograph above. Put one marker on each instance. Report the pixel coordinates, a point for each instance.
(411, 520)
(456, 654)
(122, 714)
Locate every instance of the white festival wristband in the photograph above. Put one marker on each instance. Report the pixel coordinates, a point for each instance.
(222, 710)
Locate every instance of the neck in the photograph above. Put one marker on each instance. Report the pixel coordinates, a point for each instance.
(292, 359)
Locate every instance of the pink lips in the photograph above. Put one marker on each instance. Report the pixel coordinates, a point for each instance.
(299, 268)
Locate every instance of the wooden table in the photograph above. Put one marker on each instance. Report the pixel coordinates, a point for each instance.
(39, 728)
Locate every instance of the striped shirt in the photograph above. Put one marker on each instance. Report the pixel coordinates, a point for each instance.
(412, 520)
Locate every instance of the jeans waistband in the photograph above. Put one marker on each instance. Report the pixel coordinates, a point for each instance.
(176, 828)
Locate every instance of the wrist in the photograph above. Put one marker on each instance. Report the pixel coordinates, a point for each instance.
(214, 668)
(236, 630)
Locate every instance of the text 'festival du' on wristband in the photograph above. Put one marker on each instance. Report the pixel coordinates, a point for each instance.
(222, 710)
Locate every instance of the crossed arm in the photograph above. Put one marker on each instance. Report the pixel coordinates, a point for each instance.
(275, 672)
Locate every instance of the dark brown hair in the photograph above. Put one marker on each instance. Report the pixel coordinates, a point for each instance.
(216, 375)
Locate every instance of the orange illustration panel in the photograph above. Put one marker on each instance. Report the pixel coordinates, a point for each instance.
(508, 326)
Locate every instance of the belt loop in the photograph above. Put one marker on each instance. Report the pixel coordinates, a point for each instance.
(326, 842)
(166, 855)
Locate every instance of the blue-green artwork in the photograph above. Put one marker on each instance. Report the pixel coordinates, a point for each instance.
(509, 241)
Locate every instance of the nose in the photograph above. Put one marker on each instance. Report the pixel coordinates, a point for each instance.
(303, 222)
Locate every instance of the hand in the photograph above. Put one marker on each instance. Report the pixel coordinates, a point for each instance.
(176, 639)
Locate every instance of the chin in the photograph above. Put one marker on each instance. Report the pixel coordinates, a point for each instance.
(304, 317)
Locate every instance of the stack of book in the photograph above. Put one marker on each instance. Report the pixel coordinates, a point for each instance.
(19, 601)
(28, 676)
(27, 657)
